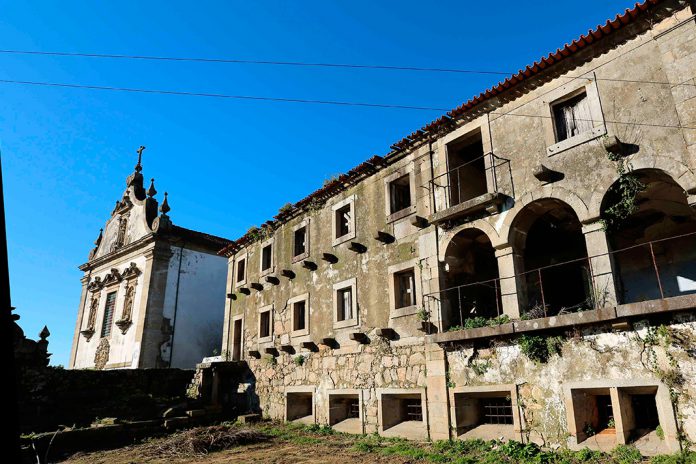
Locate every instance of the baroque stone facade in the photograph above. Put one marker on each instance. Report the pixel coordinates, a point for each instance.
(523, 267)
(152, 292)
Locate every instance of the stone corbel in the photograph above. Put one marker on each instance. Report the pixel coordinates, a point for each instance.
(87, 333)
(123, 325)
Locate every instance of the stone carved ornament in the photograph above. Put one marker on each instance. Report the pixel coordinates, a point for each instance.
(126, 319)
(92, 318)
(101, 357)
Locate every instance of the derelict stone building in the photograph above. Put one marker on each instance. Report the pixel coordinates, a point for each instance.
(152, 292)
(524, 266)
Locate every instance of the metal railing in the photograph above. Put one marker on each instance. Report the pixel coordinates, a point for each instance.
(652, 270)
(454, 186)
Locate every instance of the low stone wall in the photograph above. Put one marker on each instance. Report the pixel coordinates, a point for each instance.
(367, 367)
(53, 397)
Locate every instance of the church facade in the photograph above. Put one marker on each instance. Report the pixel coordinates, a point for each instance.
(152, 292)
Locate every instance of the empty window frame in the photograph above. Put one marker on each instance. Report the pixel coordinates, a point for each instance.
(299, 248)
(265, 324)
(240, 271)
(299, 406)
(400, 194)
(345, 304)
(344, 297)
(266, 257)
(572, 116)
(108, 314)
(299, 315)
(344, 410)
(405, 288)
(343, 221)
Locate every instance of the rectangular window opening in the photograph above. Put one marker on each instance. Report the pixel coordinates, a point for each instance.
(572, 117)
(400, 194)
(345, 304)
(496, 411)
(108, 314)
(241, 270)
(466, 169)
(266, 257)
(265, 324)
(343, 221)
(299, 315)
(342, 408)
(405, 288)
(299, 407)
(300, 246)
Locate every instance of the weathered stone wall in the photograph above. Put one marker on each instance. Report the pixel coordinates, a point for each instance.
(51, 397)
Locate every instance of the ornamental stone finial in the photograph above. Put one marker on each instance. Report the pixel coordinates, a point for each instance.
(151, 192)
(164, 207)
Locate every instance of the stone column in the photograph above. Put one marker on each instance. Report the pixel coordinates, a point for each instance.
(78, 324)
(437, 394)
(508, 283)
(603, 286)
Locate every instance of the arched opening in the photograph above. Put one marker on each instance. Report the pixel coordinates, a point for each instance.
(654, 241)
(551, 256)
(471, 270)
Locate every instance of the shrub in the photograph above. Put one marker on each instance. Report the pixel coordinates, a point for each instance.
(626, 454)
(540, 349)
(299, 360)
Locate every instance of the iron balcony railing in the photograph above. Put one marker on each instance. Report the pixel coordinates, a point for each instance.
(652, 270)
(455, 186)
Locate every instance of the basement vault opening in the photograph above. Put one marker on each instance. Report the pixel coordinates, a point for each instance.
(662, 213)
(485, 415)
(344, 412)
(402, 415)
(545, 233)
(467, 168)
(470, 269)
(299, 407)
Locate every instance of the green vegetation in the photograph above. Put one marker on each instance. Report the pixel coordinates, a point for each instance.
(299, 360)
(540, 349)
(477, 322)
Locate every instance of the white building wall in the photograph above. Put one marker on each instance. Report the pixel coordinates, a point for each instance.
(198, 314)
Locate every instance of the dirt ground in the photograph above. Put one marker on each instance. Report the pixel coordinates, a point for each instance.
(331, 449)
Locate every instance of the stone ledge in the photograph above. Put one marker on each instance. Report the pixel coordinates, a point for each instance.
(567, 320)
(482, 202)
(675, 303)
(472, 334)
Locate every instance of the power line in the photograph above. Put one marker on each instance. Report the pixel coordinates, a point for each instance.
(309, 101)
(221, 95)
(262, 62)
(316, 64)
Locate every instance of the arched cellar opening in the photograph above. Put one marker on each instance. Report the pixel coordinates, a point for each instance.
(652, 238)
(471, 273)
(550, 260)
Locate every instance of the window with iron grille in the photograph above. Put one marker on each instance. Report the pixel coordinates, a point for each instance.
(496, 410)
(108, 314)
(353, 408)
(414, 409)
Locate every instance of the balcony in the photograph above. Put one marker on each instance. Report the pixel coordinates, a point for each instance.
(468, 190)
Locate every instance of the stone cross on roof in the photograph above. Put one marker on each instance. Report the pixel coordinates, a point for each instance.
(138, 167)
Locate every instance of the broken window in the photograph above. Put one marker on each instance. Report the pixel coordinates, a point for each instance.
(344, 304)
(300, 245)
(572, 117)
(343, 221)
(241, 270)
(299, 315)
(108, 314)
(400, 194)
(266, 257)
(405, 288)
(265, 324)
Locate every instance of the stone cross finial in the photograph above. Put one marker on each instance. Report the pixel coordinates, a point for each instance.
(138, 167)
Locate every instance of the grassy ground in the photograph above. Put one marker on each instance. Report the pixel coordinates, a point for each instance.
(278, 443)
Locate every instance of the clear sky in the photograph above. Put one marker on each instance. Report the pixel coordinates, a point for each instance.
(227, 164)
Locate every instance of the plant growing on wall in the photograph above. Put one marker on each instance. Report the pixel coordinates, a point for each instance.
(540, 349)
(299, 360)
(627, 188)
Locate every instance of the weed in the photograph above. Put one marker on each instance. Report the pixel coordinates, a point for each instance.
(626, 454)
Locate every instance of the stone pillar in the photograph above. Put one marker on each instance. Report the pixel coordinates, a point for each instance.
(78, 324)
(508, 283)
(603, 286)
(437, 395)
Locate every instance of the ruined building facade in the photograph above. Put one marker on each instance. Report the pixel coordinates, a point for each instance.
(523, 267)
(152, 292)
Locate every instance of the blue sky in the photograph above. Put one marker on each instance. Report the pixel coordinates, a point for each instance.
(226, 164)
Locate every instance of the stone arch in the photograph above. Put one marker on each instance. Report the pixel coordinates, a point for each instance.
(678, 171)
(544, 192)
(481, 225)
